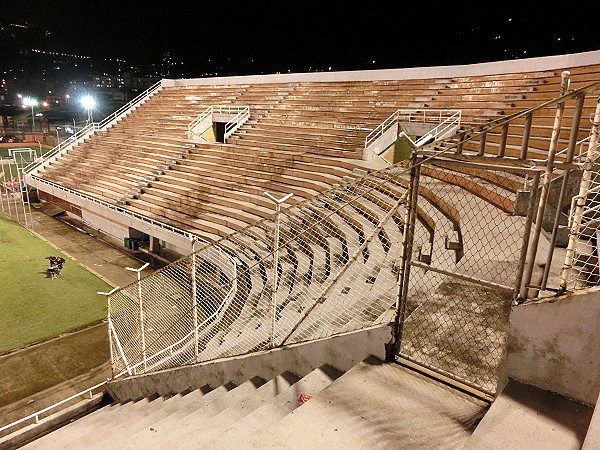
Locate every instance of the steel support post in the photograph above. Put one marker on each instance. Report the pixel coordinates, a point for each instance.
(581, 198)
(275, 261)
(141, 306)
(108, 315)
(407, 246)
(194, 297)
(563, 189)
(545, 189)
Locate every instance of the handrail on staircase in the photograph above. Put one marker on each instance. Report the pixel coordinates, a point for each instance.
(91, 127)
(36, 415)
(445, 117)
(241, 114)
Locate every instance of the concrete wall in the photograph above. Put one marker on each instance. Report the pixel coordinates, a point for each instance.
(343, 352)
(555, 345)
(437, 72)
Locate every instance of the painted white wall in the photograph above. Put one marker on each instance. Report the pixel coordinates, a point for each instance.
(342, 352)
(555, 345)
(435, 72)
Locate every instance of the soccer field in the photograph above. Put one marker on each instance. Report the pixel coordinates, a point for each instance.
(34, 307)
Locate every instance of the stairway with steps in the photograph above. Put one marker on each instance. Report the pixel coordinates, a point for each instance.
(372, 404)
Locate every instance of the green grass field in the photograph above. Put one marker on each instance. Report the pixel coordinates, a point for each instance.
(34, 307)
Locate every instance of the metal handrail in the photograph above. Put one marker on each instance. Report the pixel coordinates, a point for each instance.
(120, 210)
(236, 121)
(36, 415)
(476, 132)
(239, 111)
(410, 115)
(579, 143)
(439, 130)
(90, 128)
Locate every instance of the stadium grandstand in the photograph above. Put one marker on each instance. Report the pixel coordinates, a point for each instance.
(399, 258)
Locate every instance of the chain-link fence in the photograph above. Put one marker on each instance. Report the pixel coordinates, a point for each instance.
(461, 276)
(318, 268)
(443, 248)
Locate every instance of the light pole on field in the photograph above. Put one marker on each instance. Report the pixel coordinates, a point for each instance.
(89, 103)
(28, 101)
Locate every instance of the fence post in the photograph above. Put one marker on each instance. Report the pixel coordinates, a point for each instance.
(581, 198)
(275, 261)
(194, 296)
(108, 311)
(520, 286)
(393, 348)
(563, 187)
(141, 305)
(524, 294)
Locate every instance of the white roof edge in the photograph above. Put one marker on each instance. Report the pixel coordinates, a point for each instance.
(489, 68)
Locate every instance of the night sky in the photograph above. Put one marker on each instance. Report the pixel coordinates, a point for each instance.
(269, 36)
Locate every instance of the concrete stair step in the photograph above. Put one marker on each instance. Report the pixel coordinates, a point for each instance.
(63, 437)
(115, 415)
(215, 425)
(145, 415)
(270, 413)
(123, 416)
(376, 404)
(524, 416)
(162, 430)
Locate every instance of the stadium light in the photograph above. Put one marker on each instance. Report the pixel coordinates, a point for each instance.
(89, 104)
(28, 101)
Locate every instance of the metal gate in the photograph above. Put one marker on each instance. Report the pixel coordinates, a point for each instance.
(464, 248)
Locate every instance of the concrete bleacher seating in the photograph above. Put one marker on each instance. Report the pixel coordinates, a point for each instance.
(302, 137)
(343, 227)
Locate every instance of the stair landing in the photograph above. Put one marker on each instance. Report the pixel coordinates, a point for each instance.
(377, 405)
(526, 417)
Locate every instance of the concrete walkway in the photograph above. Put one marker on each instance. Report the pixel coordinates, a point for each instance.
(43, 374)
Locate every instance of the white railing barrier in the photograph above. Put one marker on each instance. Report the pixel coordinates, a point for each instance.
(240, 115)
(447, 119)
(36, 415)
(118, 209)
(90, 128)
(237, 121)
(191, 338)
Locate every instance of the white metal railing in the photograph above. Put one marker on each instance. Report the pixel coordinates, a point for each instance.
(118, 209)
(240, 116)
(36, 415)
(237, 121)
(446, 119)
(90, 128)
(181, 274)
(447, 126)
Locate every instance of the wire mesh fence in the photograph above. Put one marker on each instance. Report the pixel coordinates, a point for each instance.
(582, 263)
(462, 274)
(319, 268)
(586, 268)
(445, 248)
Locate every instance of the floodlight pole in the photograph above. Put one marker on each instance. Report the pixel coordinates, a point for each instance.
(110, 327)
(142, 332)
(275, 260)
